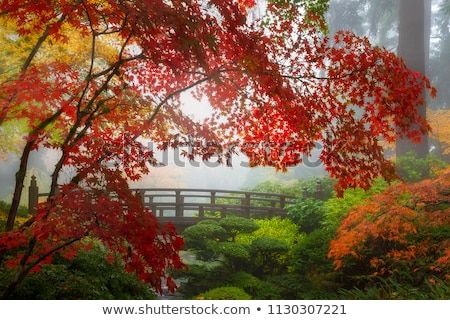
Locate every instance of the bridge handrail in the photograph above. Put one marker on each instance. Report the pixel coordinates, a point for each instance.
(184, 200)
(243, 202)
(224, 191)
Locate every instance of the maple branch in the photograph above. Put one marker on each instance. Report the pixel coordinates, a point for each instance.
(73, 137)
(23, 272)
(205, 78)
(167, 98)
(340, 77)
(91, 65)
(20, 175)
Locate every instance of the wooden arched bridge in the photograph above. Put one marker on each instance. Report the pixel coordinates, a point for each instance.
(186, 207)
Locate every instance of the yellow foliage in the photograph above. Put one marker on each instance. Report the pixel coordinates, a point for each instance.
(11, 138)
(20, 220)
(73, 48)
(440, 123)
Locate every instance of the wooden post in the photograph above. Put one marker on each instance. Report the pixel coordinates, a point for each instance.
(305, 193)
(223, 212)
(213, 197)
(33, 196)
(141, 194)
(212, 202)
(272, 209)
(318, 195)
(178, 204)
(246, 202)
(282, 202)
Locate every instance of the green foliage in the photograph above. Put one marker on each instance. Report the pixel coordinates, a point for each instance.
(256, 252)
(87, 276)
(266, 245)
(11, 136)
(314, 188)
(281, 260)
(298, 187)
(268, 254)
(236, 255)
(337, 208)
(272, 186)
(200, 237)
(22, 214)
(238, 225)
(307, 213)
(310, 256)
(295, 286)
(413, 169)
(258, 289)
(212, 240)
(225, 293)
(206, 229)
(273, 233)
(199, 278)
(276, 228)
(385, 289)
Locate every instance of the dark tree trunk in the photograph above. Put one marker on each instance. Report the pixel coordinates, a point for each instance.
(413, 47)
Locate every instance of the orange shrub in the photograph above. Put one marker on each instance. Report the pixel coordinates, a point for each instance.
(404, 231)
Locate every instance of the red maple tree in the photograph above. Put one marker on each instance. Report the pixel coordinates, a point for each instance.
(276, 86)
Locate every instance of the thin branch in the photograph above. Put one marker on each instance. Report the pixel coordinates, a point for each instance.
(22, 272)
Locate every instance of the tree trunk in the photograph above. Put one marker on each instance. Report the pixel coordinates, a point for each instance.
(413, 47)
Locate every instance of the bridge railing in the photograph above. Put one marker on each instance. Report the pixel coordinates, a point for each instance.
(164, 202)
(177, 204)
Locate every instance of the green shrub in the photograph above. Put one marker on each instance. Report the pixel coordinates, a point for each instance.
(225, 293)
(238, 225)
(267, 256)
(308, 214)
(258, 289)
(311, 254)
(201, 237)
(87, 276)
(337, 208)
(276, 228)
(413, 169)
(300, 287)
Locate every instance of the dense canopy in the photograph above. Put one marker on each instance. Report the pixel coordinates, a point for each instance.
(90, 78)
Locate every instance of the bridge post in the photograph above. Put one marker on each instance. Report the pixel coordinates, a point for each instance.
(33, 195)
(271, 210)
(141, 195)
(178, 204)
(305, 193)
(319, 195)
(212, 200)
(282, 202)
(223, 212)
(246, 202)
